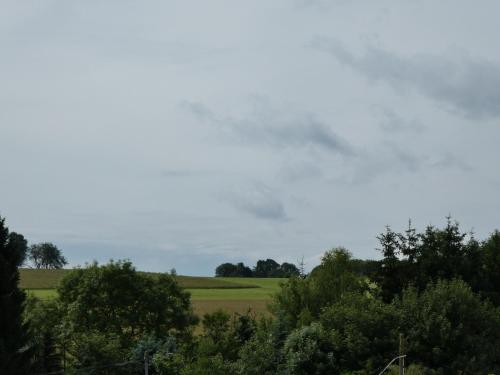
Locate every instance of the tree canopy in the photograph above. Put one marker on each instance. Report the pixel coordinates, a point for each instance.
(115, 298)
(102, 313)
(46, 255)
(301, 300)
(233, 270)
(263, 268)
(412, 258)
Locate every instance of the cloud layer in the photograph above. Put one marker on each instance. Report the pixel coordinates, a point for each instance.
(468, 86)
(265, 128)
(185, 134)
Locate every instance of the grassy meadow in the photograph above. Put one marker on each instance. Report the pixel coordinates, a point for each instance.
(234, 294)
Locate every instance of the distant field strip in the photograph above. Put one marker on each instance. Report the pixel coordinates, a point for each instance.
(233, 294)
(48, 279)
(40, 279)
(42, 293)
(264, 291)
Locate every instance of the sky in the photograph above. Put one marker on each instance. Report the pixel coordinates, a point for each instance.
(184, 134)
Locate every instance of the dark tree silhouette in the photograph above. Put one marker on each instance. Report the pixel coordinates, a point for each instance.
(14, 349)
(46, 255)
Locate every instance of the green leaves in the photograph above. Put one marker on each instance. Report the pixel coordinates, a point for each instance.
(116, 302)
(448, 326)
(302, 300)
(46, 255)
(308, 351)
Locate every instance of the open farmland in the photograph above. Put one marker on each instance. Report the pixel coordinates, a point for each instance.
(208, 294)
(48, 279)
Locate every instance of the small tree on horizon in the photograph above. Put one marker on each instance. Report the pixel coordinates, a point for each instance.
(47, 256)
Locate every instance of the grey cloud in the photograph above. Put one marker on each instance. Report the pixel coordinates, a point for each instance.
(404, 159)
(384, 160)
(320, 5)
(452, 161)
(265, 127)
(469, 86)
(392, 122)
(259, 201)
(295, 170)
(199, 110)
(188, 173)
(176, 173)
(316, 4)
(393, 159)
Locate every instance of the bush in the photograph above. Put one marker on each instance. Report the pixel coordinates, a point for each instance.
(308, 351)
(118, 300)
(302, 300)
(449, 328)
(107, 309)
(363, 331)
(262, 354)
(214, 365)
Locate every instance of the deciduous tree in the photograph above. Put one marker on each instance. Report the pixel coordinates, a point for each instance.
(46, 255)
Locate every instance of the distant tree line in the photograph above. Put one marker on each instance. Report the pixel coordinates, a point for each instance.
(271, 268)
(263, 268)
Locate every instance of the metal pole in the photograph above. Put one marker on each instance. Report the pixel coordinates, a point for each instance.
(390, 363)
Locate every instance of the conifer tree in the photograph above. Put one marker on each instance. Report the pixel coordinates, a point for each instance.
(14, 350)
(389, 274)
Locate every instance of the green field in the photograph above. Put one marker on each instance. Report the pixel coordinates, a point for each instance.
(234, 294)
(264, 290)
(48, 279)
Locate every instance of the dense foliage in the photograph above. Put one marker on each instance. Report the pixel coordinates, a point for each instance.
(412, 258)
(433, 297)
(233, 270)
(106, 317)
(263, 268)
(301, 300)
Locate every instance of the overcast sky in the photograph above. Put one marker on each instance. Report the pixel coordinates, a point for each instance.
(189, 133)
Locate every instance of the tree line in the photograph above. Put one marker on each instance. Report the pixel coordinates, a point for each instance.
(263, 268)
(434, 296)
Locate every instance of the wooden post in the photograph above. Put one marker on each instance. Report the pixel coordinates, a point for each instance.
(401, 358)
(146, 363)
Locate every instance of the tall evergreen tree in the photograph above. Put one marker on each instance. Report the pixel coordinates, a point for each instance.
(389, 275)
(410, 243)
(490, 280)
(14, 350)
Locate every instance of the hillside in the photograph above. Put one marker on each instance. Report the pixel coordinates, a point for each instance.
(48, 279)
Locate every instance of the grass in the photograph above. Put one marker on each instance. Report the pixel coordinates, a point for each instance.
(42, 293)
(265, 289)
(198, 282)
(40, 279)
